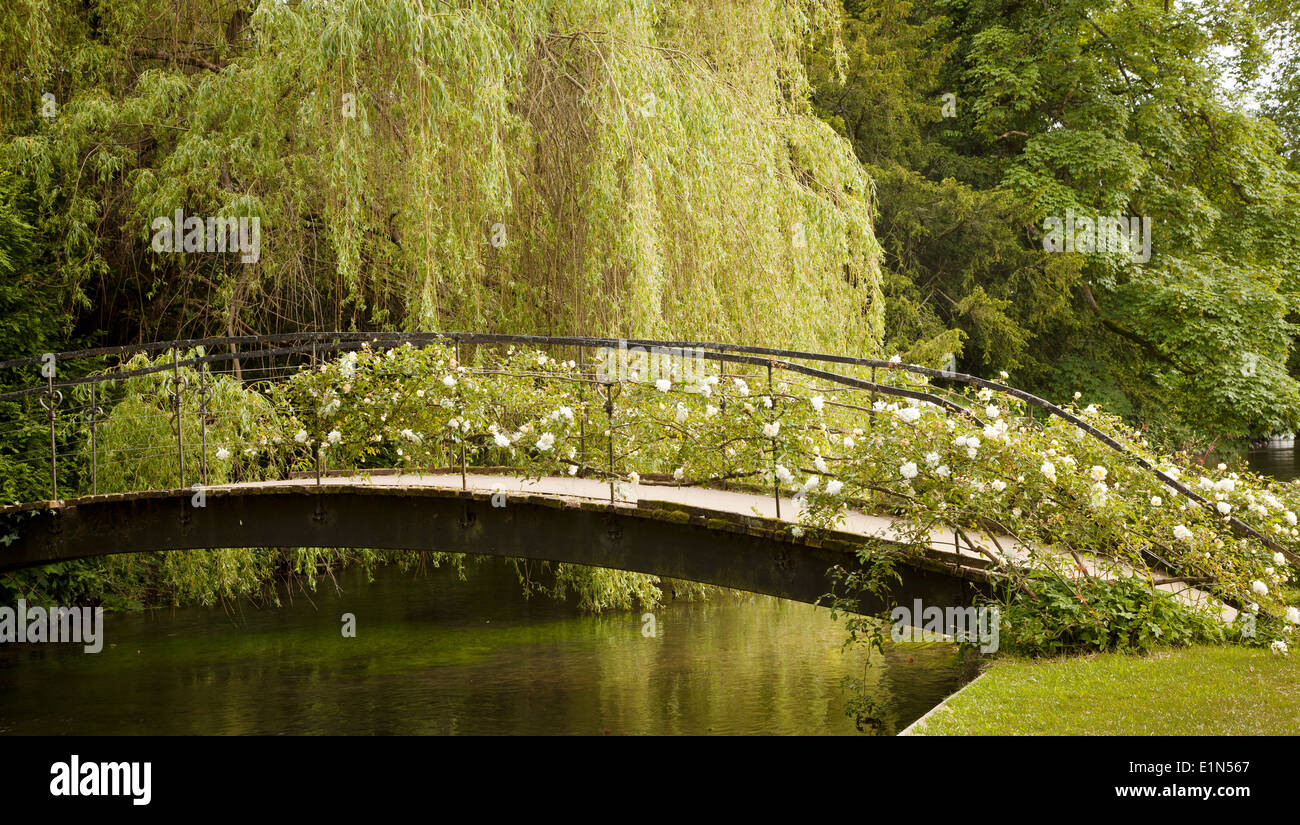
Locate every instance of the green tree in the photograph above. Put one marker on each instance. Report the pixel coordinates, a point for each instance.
(1095, 108)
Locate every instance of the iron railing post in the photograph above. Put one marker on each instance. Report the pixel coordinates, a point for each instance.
(722, 396)
(93, 415)
(582, 396)
(609, 418)
(205, 393)
(177, 416)
(464, 479)
(50, 401)
(776, 482)
(871, 416)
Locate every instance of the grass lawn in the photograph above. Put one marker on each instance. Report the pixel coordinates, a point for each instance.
(1196, 690)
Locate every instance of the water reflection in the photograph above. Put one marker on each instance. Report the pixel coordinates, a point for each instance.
(439, 656)
(1279, 462)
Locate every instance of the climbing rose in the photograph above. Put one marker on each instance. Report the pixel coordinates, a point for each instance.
(908, 470)
(783, 474)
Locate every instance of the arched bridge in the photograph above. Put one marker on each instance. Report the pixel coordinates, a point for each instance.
(701, 535)
(680, 459)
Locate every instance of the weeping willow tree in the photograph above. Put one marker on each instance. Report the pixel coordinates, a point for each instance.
(640, 168)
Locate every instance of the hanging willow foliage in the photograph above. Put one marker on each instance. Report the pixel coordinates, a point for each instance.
(554, 166)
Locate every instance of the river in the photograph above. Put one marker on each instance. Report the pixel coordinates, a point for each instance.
(436, 655)
(1281, 463)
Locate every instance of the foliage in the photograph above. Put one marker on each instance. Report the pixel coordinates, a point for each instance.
(1087, 614)
(1099, 107)
(31, 321)
(566, 166)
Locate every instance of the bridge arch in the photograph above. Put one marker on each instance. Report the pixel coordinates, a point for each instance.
(726, 549)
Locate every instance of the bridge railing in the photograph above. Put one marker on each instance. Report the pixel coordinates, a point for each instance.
(68, 397)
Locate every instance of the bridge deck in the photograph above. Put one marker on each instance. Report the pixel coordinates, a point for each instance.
(721, 501)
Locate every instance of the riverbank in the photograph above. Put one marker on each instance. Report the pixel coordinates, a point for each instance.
(1217, 691)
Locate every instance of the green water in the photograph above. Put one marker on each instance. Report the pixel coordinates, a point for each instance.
(1282, 463)
(434, 655)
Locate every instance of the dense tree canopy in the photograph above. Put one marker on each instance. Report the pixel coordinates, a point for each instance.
(1092, 108)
